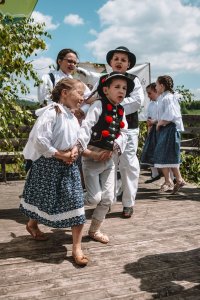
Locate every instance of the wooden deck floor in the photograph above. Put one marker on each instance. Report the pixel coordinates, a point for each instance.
(153, 255)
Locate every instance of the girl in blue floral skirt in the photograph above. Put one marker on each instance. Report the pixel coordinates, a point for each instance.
(53, 192)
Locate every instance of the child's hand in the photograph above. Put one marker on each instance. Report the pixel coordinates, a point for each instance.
(67, 157)
(102, 155)
(106, 154)
(159, 124)
(74, 153)
(150, 122)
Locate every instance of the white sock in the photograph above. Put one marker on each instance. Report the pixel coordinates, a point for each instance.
(171, 175)
(154, 172)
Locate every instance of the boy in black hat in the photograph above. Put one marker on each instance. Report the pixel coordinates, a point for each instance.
(122, 60)
(103, 135)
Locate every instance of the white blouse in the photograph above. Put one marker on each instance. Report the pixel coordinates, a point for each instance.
(169, 110)
(152, 110)
(91, 119)
(52, 131)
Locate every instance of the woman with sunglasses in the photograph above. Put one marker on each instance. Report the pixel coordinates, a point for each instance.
(67, 60)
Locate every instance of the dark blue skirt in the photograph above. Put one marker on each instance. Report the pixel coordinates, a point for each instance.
(53, 194)
(149, 147)
(167, 150)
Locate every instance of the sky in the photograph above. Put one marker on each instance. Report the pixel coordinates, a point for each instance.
(165, 33)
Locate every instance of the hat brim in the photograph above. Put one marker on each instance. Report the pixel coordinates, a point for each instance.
(132, 57)
(130, 83)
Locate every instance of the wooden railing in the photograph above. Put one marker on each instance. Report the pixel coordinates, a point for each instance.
(191, 136)
(17, 144)
(190, 142)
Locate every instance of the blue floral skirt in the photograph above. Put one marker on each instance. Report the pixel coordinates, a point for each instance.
(53, 194)
(149, 147)
(167, 150)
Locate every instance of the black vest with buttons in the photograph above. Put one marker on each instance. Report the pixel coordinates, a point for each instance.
(132, 119)
(107, 129)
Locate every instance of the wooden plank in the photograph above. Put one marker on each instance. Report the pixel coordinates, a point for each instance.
(153, 255)
(191, 130)
(193, 142)
(190, 149)
(191, 118)
(16, 142)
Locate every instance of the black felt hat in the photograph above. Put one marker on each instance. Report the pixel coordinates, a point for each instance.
(105, 79)
(132, 57)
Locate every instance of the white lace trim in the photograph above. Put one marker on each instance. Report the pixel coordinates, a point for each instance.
(58, 217)
(166, 166)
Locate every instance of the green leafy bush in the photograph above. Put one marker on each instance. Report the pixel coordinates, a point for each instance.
(19, 41)
(190, 167)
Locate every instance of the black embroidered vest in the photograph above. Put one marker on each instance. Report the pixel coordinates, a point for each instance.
(107, 129)
(132, 119)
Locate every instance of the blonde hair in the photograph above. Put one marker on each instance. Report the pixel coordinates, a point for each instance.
(63, 84)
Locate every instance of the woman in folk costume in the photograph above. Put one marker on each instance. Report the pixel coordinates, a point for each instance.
(102, 138)
(53, 193)
(66, 61)
(169, 127)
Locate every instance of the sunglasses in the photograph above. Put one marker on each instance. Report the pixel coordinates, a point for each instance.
(70, 61)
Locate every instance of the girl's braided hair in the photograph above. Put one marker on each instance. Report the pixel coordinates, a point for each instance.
(167, 81)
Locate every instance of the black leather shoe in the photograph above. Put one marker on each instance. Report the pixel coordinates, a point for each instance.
(153, 179)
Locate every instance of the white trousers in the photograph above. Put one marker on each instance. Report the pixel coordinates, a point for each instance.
(129, 168)
(99, 180)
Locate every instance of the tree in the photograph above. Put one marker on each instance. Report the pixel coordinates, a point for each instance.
(187, 95)
(19, 40)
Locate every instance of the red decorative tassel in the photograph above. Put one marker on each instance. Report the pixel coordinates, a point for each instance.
(108, 119)
(117, 135)
(120, 112)
(121, 124)
(109, 107)
(105, 133)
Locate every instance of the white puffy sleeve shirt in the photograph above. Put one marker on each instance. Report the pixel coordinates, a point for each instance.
(51, 132)
(169, 110)
(91, 119)
(134, 102)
